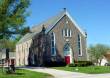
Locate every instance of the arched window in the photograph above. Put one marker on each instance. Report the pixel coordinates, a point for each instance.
(67, 49)
(69, 32)
(66, 32)
(79, 46)
(53, 49)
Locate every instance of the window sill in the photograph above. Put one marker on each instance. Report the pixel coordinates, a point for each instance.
(67, 36)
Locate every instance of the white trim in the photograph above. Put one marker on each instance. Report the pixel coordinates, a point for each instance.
(54, 45)
(63, 33)
(77, 26)
(67, 32)
(50, 27)
(70, 54)
(80, 47)
(70, 33)
(73, 21)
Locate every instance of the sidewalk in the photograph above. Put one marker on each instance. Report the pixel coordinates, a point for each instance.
(67, 74)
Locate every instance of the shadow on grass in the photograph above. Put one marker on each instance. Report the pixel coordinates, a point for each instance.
(19, 73)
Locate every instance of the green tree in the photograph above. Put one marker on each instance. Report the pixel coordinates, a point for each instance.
(97, 52)
(12, 18)
(8, 44)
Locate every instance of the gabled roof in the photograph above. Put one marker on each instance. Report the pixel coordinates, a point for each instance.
(50, 23)
(26, 37)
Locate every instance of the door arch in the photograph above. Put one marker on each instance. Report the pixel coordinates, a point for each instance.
(68, 53)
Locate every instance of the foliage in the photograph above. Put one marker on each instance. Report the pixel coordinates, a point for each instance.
(97, 52)
(13, 15)
(81, 64)
(25, 30)
(8, 43)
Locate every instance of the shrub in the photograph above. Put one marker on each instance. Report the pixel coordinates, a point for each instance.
(81, 64)
(71, 65)
(55, 64)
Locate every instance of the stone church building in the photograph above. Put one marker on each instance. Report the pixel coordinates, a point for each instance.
(58, 39)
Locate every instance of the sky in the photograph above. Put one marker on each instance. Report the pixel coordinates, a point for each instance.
(93, 16)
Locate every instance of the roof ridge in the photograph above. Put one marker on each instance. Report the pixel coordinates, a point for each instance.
(49, 20)
(76, 24)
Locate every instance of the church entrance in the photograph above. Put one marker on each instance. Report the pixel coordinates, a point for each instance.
(68, 54)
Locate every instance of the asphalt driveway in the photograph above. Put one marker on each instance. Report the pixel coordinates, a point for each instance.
(67, 74)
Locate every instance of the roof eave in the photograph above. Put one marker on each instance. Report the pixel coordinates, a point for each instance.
(73, 21)
(50, 27)
(77, 26)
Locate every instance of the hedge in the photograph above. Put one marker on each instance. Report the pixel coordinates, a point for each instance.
(81, 64)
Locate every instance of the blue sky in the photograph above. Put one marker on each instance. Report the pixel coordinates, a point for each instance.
(91, 15)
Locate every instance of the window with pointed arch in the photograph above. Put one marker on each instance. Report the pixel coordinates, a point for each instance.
(66, 49)
(79, 46)
(66, 32)
(53, 49)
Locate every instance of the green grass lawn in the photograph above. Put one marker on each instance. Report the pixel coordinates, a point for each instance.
(89, 70)
(21, 73)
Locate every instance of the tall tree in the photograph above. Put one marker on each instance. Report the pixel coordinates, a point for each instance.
(97, 52)
(12, 17)
(8, 44)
